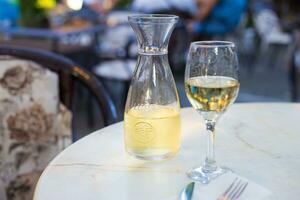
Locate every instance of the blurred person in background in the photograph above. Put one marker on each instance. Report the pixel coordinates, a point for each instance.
(9, 13)
(202, 20)
(183, 8)
(90, 10)
(96, 10)
(101, 6)
(208, 17)
(216, 17)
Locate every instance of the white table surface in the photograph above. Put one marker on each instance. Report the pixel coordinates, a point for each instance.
(258, 141)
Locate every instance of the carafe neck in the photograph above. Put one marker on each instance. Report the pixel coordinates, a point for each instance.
(153, 32)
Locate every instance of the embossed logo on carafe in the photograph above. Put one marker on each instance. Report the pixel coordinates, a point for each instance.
(144, 132)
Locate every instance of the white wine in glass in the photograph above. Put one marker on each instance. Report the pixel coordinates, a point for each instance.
(211, 85)
(211, 94)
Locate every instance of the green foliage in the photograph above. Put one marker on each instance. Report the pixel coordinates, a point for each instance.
(123, 4)
(31, 15)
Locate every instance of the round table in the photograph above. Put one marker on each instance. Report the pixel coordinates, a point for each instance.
(258, 141)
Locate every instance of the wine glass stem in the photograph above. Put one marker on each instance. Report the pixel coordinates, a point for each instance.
(210, 163)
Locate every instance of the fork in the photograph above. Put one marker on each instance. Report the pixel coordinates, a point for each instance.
(235, 190)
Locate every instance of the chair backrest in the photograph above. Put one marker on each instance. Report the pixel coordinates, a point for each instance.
(34, 125)
(68, 73)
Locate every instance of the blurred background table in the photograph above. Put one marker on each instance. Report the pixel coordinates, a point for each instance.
(258, 141)
(66, 40)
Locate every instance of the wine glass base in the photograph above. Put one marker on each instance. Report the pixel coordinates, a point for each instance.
(202, 175)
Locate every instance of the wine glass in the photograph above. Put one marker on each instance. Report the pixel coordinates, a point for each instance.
(211, 85)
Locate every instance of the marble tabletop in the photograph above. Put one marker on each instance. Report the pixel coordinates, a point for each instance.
(258, 141)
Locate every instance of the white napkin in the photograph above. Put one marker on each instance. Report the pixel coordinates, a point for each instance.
(215, 188)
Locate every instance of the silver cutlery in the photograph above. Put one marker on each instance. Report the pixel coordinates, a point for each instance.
(235, 190)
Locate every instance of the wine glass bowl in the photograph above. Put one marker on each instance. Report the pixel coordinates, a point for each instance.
(211, 85)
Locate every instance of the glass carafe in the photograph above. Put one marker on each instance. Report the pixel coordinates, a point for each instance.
(151, 119)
